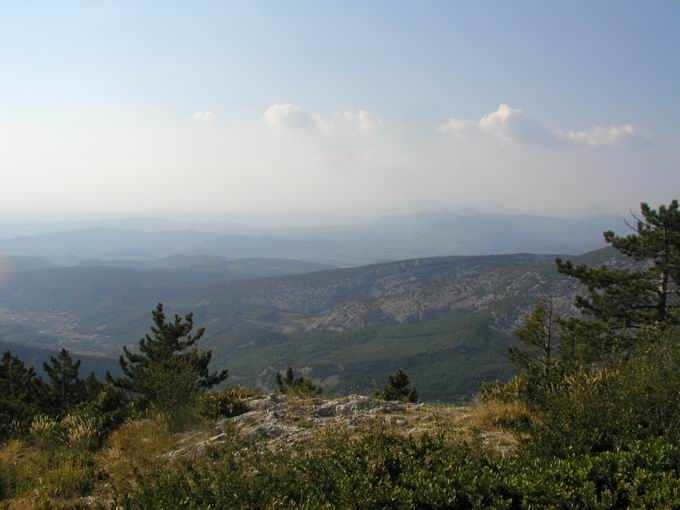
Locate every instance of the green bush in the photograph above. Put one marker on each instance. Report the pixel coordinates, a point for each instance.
(384, 469)
(601, 410)
(111, 407)
(644, 474)
(221, 404)
(337, 470)
(508, 392)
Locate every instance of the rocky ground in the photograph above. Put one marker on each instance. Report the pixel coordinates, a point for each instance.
(276, 421)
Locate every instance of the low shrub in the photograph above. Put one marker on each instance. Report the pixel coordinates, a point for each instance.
(609, 408)
(338, 469)
(384, 469)
(111, 406)
(510, 391)
(643, 474)
(223, 404)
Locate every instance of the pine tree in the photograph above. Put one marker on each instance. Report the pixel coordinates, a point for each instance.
(282, 384)
(536, 356)
(538, 341)
(169, 372)
(299, 387)
(22, 394)
(398, 389)
(622, 302)
(66, 388)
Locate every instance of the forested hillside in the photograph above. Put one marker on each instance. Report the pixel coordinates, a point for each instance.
(347, 327)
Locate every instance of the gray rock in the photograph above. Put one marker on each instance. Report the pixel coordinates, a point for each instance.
(275, 421)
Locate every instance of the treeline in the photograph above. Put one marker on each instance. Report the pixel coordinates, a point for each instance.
(166, 375)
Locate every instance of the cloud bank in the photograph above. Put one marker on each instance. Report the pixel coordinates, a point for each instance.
(625, 135)
(204, 116)
(289, 116)
(286, 157)
(513, 125)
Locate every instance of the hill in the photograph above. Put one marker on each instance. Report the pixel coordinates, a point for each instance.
(394, 237)
(36, 356)
(71, 247)
(225, 268)
(446, 320)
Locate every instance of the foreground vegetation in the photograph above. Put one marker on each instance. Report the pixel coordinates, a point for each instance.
(605, 441)
(592, 419)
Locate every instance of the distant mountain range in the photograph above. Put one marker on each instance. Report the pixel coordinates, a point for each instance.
(430, 233)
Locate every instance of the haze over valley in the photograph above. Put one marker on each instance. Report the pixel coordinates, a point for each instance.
(348, 304)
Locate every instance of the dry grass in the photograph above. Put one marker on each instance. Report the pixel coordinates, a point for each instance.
(239, 392)
(12, 452)
(35, 478)
(135, 446)
(496, 416)
(499, 424)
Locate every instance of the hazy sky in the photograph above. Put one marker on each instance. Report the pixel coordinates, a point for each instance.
(217, 106)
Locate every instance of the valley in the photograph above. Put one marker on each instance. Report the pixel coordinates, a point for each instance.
(446, 320)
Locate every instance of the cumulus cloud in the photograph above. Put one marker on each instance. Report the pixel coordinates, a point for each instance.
(506, 124)
(204, 116)
(289, 116)
(460, 127)
(513, 125)
(357, 120)
(598, 136)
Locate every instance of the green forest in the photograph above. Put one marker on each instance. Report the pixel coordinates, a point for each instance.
(590, 420)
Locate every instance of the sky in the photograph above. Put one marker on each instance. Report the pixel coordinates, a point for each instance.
(337, 106)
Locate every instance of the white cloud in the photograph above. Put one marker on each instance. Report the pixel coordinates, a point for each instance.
(290, 116)
(460, 127)
(204, 116)
(287, 115)
(506, 124)
(598, 136)
(513, 125)
(357, 120)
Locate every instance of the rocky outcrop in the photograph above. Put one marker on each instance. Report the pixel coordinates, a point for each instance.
(277, 421)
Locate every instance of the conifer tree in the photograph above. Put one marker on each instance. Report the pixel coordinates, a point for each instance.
(536, 356)
(169, 372)
(300, 387)
(283, 384)
(65, 387)
(398, 389)
(623, 301)
(22, 393)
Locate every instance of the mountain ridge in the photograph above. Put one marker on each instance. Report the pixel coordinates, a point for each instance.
(345, 326)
